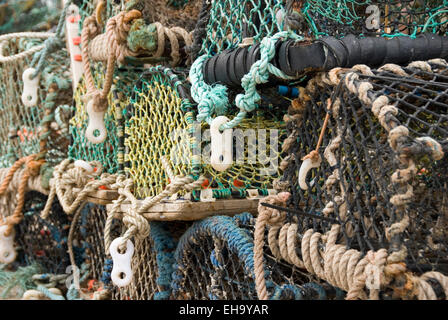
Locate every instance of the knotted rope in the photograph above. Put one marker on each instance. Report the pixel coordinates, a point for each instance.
(32, 168)
(347, 268)
(67, 177)
(173, 34)
(133, 219)
(115, 49)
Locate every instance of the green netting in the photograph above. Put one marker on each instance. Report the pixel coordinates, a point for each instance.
(28, 15)
(231, 21)
(405, 17)
(110, 152)
(170, 13)
(160, 123)
(20, 126)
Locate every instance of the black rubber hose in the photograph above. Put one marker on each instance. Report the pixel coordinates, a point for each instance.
(297, 58)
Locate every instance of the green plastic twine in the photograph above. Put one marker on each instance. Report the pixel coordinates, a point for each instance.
(210, 98)
(213, 98)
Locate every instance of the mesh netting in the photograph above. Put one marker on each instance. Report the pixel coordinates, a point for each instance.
(169, 13)
(356, 182)
(152, 264)
(110, 152)
(25, 15)
(21, 126)
(232, 21)
(157, 117)
(214, 260)
(43, 241)
(160, 123)
(409, 17)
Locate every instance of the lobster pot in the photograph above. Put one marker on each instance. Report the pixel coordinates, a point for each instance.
(152, 264)
(337, 18)
(230, 22)
(161, 124)
(22, 125)
(43, 241)
(365, 182)
(109, 152)
(214, 260)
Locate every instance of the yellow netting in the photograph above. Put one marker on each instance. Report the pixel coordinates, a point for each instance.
(154, 126)
(255, 171)
(160, 123)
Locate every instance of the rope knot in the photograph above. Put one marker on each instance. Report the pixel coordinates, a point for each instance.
(274, 216)
(136, 223)
(313, 155)
(100, 102)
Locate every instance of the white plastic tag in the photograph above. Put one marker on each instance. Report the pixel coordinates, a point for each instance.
(7, 252)
(306, 166)
(121, 271)
(252, 194)
(84, 165)
(221, 145)
(96, 125)
(207, 195)
(30, 86)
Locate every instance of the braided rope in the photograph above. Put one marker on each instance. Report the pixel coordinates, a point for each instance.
(133, 219)
(117, 29)
(213, 99)
(32, 168)
(66, 177)
(24, 54)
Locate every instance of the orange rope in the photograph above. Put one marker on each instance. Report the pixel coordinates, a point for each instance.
(32, 169)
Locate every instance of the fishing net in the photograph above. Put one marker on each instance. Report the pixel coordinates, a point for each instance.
(43, 241)
(230, 22)
(160, 123)
(158, 116)
(169, 13)
(214, 260)
(320, 18)
(21, 127)
(152, 264)
(383, 187)
(25, 15)
(109, 153)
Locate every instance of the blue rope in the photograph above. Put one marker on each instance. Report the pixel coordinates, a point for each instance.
(164, 245)
(49, 294)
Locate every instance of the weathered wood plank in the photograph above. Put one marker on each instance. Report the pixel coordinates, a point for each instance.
(188, 211)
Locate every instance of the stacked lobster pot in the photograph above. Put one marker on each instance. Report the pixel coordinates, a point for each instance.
(228, 150)
(35, 101)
